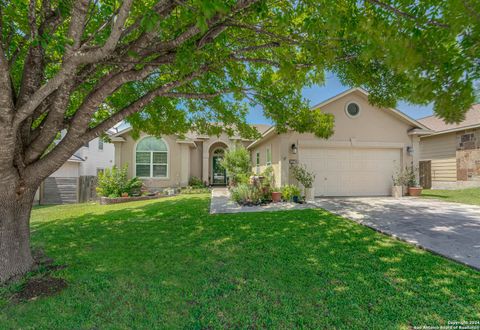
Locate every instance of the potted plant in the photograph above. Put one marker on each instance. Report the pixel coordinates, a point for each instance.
(276, 196)
(125, 194)
(306, 178)
(411, 180)
(290, 193)
(398, 180)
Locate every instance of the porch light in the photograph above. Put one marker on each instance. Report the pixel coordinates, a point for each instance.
(294, 149)
(410, 150)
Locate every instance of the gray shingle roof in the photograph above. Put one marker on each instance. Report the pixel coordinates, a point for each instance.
(472, 117)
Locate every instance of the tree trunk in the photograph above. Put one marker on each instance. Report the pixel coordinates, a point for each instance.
(15, 207)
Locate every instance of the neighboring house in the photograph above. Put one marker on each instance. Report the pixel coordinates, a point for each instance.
(450, 156)
(369, 145)
(89, 160)
(74, 181)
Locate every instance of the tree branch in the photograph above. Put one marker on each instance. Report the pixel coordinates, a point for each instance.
(72, 63)
(401, 13)
(76, 136)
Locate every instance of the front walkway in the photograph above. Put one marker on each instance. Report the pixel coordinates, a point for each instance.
(221, 203)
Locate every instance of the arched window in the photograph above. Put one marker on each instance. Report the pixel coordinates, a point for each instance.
(151, 158)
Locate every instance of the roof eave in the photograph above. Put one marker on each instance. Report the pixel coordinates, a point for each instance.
(453, 130)
(268, 132)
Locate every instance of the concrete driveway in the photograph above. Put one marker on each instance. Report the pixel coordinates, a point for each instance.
(449, 229)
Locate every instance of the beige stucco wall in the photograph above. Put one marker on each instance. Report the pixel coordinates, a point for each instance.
(178, 161)
(196, 160)
(274, 143)
(184, 159)
(373, 128)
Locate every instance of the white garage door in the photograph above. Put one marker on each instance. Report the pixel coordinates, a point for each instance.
(351, 172)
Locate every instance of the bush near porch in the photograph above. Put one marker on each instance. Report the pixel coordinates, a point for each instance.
(169, 263)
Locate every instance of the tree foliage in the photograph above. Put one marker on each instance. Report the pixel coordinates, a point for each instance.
(237, 164)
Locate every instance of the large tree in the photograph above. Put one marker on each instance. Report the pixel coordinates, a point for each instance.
(168, 66)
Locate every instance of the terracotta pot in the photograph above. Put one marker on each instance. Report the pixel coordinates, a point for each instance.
(276, 196)
(124, 194)
(414, 191)
(397, 191)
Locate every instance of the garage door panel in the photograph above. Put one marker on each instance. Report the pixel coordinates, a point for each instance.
(351, 172)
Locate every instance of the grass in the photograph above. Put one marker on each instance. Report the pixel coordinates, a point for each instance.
(169, 264)
(466, 196)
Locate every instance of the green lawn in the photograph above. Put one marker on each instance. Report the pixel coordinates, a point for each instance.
(169, 264)
(466, 196)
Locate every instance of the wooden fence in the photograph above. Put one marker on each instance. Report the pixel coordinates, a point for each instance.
(56, 190)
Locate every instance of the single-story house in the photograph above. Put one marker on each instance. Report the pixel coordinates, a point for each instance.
(450, 156)
(171, 161)
(369, 146)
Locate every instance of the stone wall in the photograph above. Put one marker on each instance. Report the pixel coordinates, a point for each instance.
(468, 165)
(468, 155)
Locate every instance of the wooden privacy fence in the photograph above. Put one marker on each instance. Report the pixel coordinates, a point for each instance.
(56, 190)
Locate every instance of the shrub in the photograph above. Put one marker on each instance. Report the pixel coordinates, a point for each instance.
(237, 164)
(114, 182)
(269, 177)
(242, 178)
(410, 177)
(196, 182)
(406, 177)
(303, 176)
(134, 187)
(245, 194)
(289, 191)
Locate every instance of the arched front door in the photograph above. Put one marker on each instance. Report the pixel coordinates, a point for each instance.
(219, 175)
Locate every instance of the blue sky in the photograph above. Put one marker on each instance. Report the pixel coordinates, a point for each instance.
(331, 88)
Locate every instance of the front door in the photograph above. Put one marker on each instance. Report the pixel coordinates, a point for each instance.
(219, 173)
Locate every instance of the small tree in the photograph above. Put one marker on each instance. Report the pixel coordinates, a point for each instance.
(237, 164)
(303, 176)
(114, 182)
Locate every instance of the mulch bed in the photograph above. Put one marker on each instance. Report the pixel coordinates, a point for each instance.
(42, 284)
(118, 200)
(40, 287)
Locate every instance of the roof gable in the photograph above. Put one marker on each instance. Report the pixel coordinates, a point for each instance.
(397, 113)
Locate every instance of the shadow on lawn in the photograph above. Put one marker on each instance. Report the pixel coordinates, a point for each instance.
(257, 268)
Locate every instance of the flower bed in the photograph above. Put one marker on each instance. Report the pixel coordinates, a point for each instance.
(118, 200)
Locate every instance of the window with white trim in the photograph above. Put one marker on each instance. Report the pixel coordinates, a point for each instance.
(268, 156)
(151, 158)
(257, 162)
(100, 144)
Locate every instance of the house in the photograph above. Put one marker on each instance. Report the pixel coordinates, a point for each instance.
(369, 145)
(450, 156)
(74, 181)
(171, 161)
